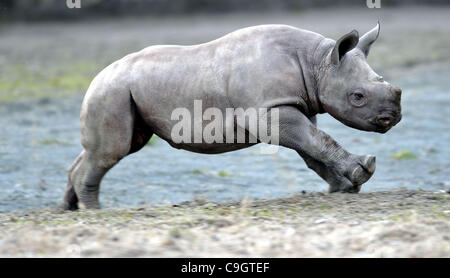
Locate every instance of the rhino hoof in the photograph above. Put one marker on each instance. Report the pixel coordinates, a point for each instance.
(364, 170)
(344, 186)
(369, 163)
(67, 206)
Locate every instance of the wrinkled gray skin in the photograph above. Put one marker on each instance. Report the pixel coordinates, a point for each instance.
(300, 72)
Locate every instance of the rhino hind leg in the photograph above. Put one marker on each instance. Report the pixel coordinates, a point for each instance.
(141, 131)
(108, 135)
(70, 201)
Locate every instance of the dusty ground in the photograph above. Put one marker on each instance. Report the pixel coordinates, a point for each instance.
(381, 224)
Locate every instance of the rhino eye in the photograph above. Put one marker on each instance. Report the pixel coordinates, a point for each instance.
(357, 99)
(358, 96)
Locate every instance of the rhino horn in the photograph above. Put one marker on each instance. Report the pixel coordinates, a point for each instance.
(366, 41)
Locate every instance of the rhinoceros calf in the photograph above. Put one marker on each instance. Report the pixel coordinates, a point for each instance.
(299, 72)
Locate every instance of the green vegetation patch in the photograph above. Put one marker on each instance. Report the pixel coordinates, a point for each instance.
(52, 141)
(152, 140)
(223, 174)
(404, 155)
(200, 171)
(20, 81)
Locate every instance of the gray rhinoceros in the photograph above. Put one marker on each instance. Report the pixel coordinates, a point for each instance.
(299, 72)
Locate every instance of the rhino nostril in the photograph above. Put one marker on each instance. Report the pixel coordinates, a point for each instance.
(397, 91)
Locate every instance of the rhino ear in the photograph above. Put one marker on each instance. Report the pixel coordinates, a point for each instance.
(343, 45)
(370, 37)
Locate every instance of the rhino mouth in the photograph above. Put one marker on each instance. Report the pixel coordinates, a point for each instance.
(385, 121)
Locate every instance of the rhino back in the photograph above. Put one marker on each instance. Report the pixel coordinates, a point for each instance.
(251, 67)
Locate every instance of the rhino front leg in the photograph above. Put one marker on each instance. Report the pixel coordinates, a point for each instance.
(342, 170)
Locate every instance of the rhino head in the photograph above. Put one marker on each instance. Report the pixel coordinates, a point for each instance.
(352, 92)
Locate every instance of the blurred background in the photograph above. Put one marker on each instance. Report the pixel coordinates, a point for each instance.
(49, 54)
(57, 9)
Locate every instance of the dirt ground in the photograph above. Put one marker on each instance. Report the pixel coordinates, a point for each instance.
(380, 224)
